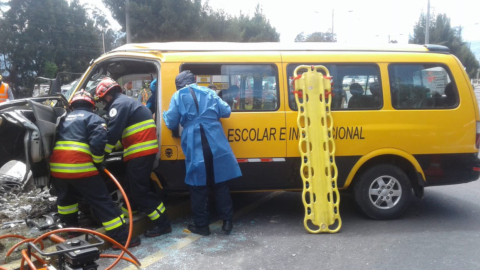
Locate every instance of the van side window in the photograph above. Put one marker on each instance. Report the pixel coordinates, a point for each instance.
(355, 86)
(422, 86)
(247, 87)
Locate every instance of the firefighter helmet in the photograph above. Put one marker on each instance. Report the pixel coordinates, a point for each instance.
(82, 96)
(104, 86)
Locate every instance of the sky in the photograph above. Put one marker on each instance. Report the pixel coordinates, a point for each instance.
(372, 21)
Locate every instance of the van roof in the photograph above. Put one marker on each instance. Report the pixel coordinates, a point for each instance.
(276, 46)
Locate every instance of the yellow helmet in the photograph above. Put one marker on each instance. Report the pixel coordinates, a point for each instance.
(1, 77)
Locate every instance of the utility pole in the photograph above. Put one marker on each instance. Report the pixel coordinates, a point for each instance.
(427, 26)
(127, 20)
(103, 39)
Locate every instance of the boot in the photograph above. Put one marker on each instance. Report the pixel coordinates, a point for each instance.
(205, 230)
(135, 241)
(70, 223)
(160, 226)
(158, 230)
(227, 225)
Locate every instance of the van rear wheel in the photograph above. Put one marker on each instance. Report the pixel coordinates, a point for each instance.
(383, 192)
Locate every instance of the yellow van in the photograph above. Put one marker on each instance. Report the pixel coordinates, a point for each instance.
(405, 116)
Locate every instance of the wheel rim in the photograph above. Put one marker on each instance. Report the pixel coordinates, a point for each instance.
(385, 192)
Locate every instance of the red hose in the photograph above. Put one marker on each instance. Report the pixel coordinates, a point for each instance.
(17, 236)
(119, 257)
(36, 257)
(12, 236)
(90, 232)
(19, 244)
(27, 259)
(112, 256)
(130, 223)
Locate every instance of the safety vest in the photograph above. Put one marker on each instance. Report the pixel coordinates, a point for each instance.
(144, 97)
(72, 160)
(138, 140)
(3, 92)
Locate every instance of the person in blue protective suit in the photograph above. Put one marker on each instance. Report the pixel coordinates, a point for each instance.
(151, 102)
(209, 160)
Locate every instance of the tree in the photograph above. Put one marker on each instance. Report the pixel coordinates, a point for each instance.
(316, 37)
(40, 38)
(442, 33)
(189, 20)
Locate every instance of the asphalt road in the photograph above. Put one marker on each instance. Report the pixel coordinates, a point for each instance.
(441, 231)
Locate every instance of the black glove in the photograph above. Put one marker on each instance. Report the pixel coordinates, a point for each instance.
(101, 166)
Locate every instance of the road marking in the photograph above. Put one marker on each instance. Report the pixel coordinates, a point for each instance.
(157, 256)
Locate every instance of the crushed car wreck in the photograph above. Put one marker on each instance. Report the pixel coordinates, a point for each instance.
(27, 129)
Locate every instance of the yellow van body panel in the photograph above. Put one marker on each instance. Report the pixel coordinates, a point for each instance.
(472, 92)
(382, 152)
(359, 134)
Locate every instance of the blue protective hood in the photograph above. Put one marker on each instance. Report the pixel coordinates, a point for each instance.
(153, 85)
(183, 79)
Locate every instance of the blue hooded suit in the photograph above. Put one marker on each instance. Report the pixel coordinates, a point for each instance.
(211, 108)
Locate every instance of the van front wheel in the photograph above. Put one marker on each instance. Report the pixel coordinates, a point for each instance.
(383, 192)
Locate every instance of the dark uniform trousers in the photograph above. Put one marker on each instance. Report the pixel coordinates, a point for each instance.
(94, 191)
(139, 190)
(221, 191)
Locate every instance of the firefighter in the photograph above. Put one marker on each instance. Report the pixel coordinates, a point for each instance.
(77, 156)
(151, 102)
(5, 91)
(143, 96)
(210, 161)
(132, 123)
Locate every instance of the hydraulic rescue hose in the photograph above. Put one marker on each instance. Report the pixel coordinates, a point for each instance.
(119, 257)
(24, 240)
(130, 223)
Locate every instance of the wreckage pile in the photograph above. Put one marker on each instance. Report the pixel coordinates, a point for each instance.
(29, 211)
(19, 198)
(22, 207)
(17, 205)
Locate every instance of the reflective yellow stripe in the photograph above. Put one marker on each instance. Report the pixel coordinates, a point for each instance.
(72, 168)
(138, 127)
(108, 148)
(156, 213)
(125, 211)
(135, 148)
(97, 159)
(69, 209)
(75, 146)
(114, 223)
(118, 145)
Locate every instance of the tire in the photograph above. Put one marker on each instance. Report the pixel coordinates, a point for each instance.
(383, 192)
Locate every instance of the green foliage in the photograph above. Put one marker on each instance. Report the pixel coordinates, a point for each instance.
(50, 69)
(316, 37)
(41, 37)
(442, 33)
(189, 20)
